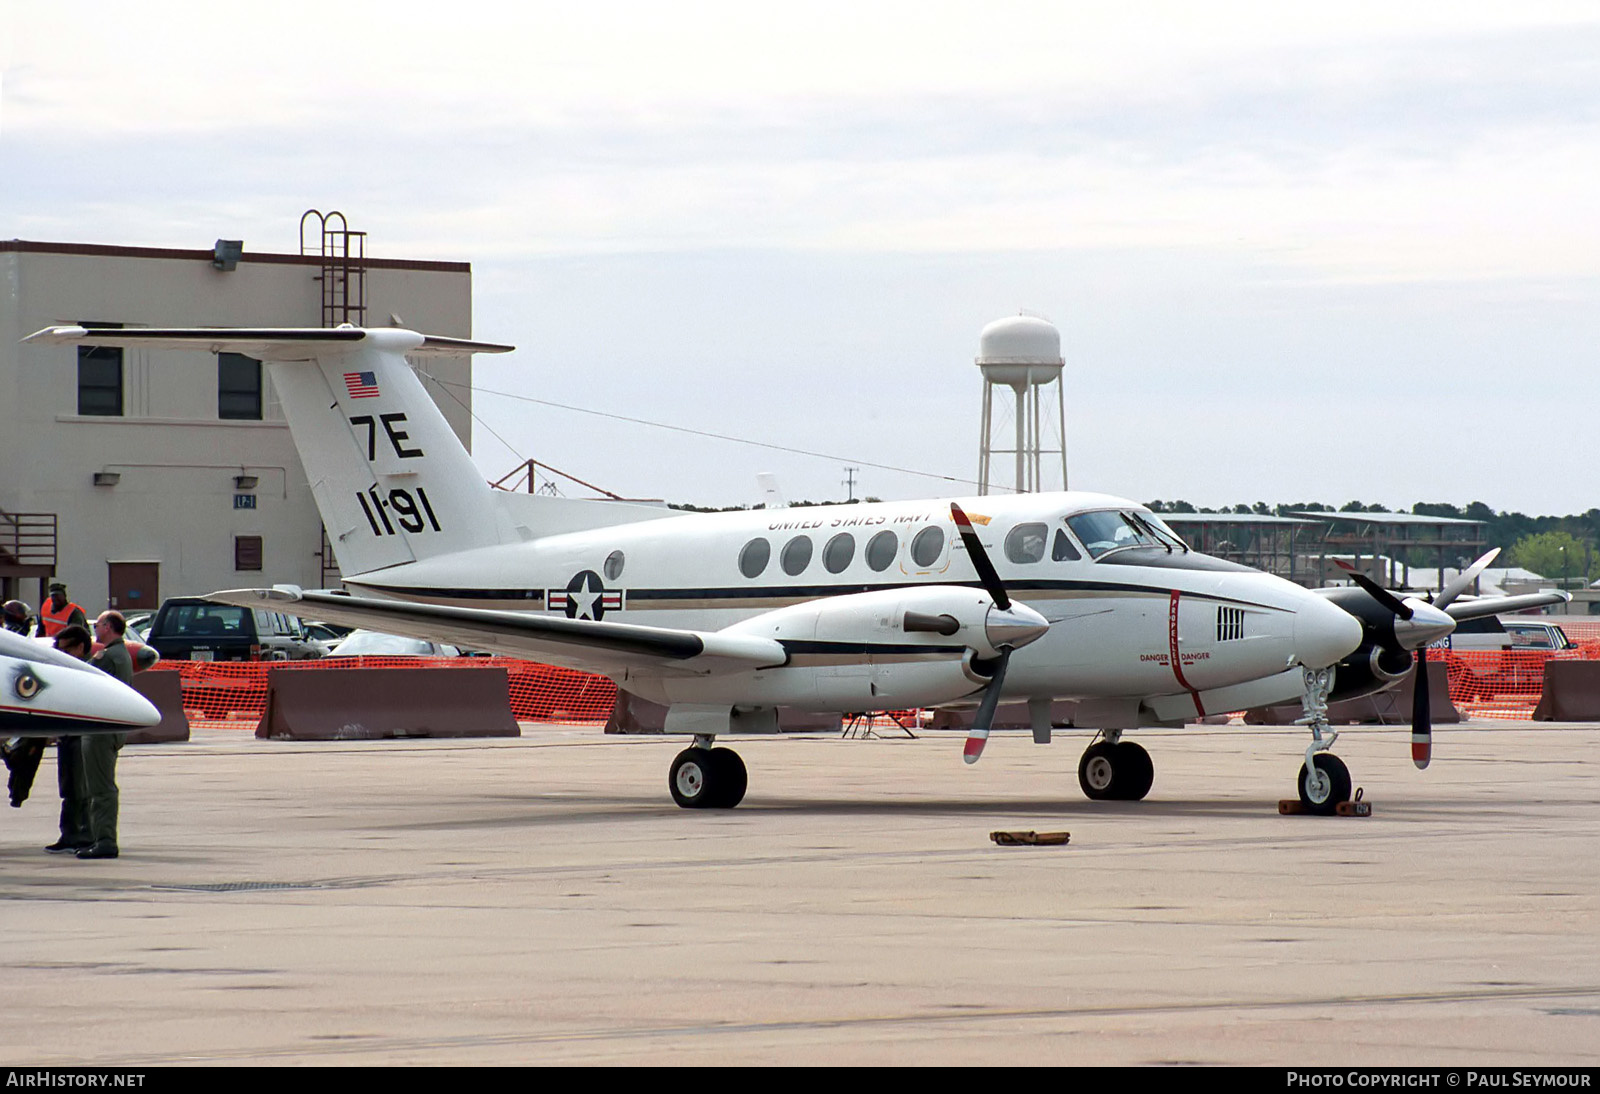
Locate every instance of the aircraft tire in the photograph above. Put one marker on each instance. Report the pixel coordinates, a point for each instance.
(1097, 772)
(702, 778)
(693, 778)
(1325, 795)
(731, 778)
(1134, 772)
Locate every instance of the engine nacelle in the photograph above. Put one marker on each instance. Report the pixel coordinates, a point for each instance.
(1371, 668)
(926, 617)
(883, 650)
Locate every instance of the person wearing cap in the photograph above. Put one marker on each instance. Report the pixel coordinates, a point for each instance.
(18, 618)
(58, 612)
(75, 833)
(98, 751)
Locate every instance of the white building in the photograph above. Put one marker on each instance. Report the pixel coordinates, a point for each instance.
(134, 475)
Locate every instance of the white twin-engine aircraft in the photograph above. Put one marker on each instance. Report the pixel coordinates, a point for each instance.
(726, 617)
(47, 693)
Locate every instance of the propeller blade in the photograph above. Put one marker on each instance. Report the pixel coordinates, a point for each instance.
(980, 561)
(1462, 581)
(1421, 715)
(978, 735)
(1381, 595)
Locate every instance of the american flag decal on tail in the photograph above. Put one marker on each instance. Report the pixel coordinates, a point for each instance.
(361, 385)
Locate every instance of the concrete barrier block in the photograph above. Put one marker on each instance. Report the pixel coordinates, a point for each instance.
(1571, 692)
(165, 690)
(373, 704)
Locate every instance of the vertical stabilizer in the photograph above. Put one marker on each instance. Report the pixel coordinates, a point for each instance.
(391, 479)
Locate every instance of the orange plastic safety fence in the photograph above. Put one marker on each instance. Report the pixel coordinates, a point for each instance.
(1503, 683)
(236, 691)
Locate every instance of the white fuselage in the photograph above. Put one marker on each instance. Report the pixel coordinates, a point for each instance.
(1136, 621)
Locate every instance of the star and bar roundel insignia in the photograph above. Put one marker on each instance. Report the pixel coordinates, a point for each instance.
(585, 597)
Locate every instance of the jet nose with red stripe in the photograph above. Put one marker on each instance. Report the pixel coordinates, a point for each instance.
(1324, 633)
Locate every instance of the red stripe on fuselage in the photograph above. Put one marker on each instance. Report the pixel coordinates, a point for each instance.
(1172, 646)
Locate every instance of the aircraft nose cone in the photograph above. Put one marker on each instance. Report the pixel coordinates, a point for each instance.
(115, 702)
(1324, 633)
(1015, 626)
(1426, 625)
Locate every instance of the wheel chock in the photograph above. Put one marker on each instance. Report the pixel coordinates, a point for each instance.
(1030, 839)
(1291, 807)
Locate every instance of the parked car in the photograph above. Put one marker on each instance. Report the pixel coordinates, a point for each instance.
(1537, 634)
(324, 636)
(1520, 646)
(192, 629)
(138, 622)
(362, 643)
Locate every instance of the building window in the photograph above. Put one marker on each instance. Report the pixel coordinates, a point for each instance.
(238, 387)
(100, 375)
(100, 381)
(247, 552)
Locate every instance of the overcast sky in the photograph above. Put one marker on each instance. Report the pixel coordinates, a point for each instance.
(1295, 254)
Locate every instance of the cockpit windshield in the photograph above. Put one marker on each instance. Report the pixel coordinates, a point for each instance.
(1110, 530)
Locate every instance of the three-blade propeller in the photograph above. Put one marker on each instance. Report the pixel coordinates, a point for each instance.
(1022, 626)
(1418, 636)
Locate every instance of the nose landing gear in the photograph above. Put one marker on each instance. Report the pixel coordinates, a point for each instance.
(1324, 780)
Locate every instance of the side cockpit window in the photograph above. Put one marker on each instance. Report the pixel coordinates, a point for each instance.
(1063, 549)
(1025, 543)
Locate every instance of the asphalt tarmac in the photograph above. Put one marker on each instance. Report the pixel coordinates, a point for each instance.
(542, 900)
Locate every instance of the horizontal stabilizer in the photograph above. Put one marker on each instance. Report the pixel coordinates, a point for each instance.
(584, 644)
(265, 343)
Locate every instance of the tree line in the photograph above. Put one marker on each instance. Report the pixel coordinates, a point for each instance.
(1555, 547)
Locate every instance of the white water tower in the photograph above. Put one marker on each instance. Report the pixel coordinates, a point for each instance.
(1023, 353)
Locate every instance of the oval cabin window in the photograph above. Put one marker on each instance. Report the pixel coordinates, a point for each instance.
(881, 550)
(838, 553)
(796, 555)
(754, 558)
(927, 547)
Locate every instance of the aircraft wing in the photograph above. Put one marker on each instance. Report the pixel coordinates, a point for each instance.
(1481, 606)
(610, 649)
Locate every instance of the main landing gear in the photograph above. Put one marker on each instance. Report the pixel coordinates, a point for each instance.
(1324, 780)
(1115, 770)
(703, 777)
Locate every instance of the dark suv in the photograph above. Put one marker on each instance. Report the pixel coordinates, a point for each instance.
(190, 629)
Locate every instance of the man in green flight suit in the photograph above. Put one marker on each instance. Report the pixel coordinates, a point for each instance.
(99, 750)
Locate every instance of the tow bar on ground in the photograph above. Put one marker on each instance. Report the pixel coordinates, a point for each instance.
(1030, 839)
